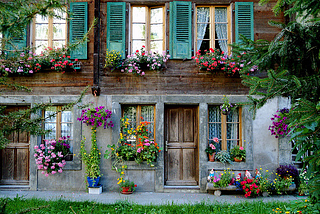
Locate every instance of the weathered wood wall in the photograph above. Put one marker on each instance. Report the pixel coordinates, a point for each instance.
(181, 77)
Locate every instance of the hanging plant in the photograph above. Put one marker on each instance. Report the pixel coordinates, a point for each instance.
(95, 117)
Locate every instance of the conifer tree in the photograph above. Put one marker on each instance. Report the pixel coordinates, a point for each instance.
(289, 66)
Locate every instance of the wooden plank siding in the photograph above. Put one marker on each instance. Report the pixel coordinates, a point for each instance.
(181, 77)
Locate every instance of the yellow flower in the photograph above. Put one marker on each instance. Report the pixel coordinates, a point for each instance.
(122, 173)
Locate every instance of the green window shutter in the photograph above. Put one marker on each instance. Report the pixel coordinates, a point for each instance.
(244, 20)
(17, 43)
(116, 27)
(78, 28)
(180, 45)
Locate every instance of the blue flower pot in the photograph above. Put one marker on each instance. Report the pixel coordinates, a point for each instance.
(93, 182)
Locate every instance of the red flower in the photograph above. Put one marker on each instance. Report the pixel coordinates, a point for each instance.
(135, 185)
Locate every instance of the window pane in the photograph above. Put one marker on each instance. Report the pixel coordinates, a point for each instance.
(203, 14)
(231, 144)
(59, 31)
(41, 19)
(214, 114)
(214, 130)
(138, 14)
(147, 114)
(156, 32)
(42, 31)
(67, 130)
(136, 45)
(221, 31)
(203, 45)
(66, 116)
(221, 14)
(58, 44)
(62, 15)
(156, 15)
(52, 127)
(203, 31)
(156, 46)
(139, 31)
(131, 113)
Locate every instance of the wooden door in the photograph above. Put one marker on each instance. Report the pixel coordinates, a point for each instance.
(15, 157)
(181, 149)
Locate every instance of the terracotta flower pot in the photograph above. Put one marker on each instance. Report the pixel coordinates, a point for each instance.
(237, 160)
(211, 157)
(125, 190)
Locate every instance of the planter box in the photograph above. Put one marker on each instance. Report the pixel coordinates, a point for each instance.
(95, 190)
(217, 190)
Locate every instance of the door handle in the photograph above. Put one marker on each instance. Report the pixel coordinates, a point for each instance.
(166, 145)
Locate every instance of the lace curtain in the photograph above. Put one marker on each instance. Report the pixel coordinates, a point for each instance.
(232, 126)
(221, 20)
(203, 15)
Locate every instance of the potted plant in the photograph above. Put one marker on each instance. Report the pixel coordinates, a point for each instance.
(63, 145)
(126, 186)
(113, 60)
(212, 148)
(48, 158)
(238, 153)
(223, 156)
(226, 107)
(95, 117)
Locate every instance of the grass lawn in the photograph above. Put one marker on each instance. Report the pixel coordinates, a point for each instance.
(34, 205)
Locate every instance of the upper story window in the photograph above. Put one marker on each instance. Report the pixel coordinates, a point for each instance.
(213, 28)
(50, 31)
(212, 23)
(227, 128)
(147, 28)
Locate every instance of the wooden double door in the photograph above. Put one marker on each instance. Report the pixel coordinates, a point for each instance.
(181, 146)
(15, 157)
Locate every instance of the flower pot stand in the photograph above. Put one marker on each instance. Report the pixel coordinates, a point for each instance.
(218, 190)
(95, 190)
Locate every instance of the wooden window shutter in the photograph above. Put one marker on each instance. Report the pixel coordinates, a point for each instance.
(180, 44)
(244, 20)
(116, 27)
(16, 43)
(78, 28)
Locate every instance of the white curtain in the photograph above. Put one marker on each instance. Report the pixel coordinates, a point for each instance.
(221, 26)
(232, 128)
(202, 19)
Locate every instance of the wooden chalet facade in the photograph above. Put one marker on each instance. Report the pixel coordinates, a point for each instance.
(181, 101)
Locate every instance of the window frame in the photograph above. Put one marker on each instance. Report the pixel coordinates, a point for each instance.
(212, 23)
(138, 117)
(50, 38)
(59, 123)
(223, 122)
(148, 27)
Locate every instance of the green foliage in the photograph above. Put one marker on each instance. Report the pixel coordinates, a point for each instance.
(28, 120)
(21, 205)
(16, 15)
(238, 152)
(290, 68)
(91, 160)
(223, 156)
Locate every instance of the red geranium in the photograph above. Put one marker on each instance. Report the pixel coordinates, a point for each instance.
(250, 187)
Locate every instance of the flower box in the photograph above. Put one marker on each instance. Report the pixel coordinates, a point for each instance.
(95, 190)
(217, 190)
